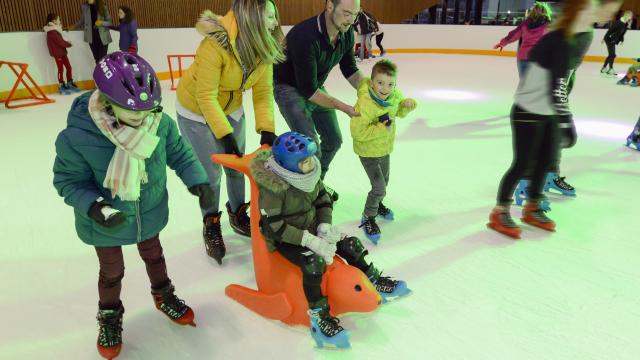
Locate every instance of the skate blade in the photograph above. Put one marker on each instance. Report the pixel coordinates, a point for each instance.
(514, 235)
(538, 225)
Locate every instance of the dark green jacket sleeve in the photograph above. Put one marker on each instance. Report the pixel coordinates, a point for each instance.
(324, 206)
(73, 177)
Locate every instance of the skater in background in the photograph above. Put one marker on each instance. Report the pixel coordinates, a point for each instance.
(364, 25)
(541, 102)
(631, 77)
(314, 47)
(95, 21)
(128, 29)
(110, 167)
(528, 33)
(379, 33)
(615, 36)
(296, 221)
(237, 54)
(633, 141)
(380, 103)
(58, 50)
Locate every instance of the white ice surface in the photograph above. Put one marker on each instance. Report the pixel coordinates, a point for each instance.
(574, 294)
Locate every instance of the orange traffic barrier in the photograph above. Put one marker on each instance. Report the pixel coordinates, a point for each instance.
(179, 58)
(280, 295)
(20, 69)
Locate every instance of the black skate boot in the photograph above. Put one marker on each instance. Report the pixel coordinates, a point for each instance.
(172, 306)
(387, 288)
(239, 220)
(109, 341)
(371, 229)
(212, 235)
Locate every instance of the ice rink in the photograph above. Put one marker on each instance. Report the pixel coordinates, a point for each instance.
(573, 294)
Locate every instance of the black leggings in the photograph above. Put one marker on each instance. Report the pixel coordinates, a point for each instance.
(98, 50)
(611, 48)
(313, 266)
(535, 148)
(379, 41)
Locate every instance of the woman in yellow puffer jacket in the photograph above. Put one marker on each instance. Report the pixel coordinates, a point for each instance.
(373, 132)
(237, 54)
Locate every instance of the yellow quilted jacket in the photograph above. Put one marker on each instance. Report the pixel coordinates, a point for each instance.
(214, 83)
(370, 137)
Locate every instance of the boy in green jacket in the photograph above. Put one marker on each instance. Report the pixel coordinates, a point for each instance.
(110, 167)
(373, 132)
(296, 221)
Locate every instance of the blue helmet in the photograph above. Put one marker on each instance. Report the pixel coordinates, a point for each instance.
(292, 147)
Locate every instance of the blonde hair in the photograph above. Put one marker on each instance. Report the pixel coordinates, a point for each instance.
(540, 10)
(255, 43)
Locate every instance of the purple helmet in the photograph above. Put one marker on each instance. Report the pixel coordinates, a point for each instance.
(129, 81)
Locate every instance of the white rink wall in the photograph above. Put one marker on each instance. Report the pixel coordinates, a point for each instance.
(155, 44)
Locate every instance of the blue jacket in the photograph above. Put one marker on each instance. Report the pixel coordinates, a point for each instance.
(82, 158)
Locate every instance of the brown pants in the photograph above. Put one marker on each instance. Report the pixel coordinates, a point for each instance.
(112, 270)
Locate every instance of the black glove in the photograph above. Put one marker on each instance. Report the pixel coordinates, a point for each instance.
(230, 145)
(204, 194)
(102, 212)
(385, 119)
(568, 134)
(267, 137)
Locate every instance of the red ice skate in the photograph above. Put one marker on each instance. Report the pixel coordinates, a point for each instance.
(500, 221)
(172, 306)
(534, 216)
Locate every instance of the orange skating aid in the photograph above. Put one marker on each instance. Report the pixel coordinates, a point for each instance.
(534, 216)
(280, 295)
(500, 221)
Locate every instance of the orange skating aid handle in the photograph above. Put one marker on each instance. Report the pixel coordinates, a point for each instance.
(280, 295)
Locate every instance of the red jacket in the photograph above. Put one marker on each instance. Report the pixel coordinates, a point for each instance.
(56, 44)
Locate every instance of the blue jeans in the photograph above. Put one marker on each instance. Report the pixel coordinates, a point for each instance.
(311, 120)
(205, 144)
(523, 65)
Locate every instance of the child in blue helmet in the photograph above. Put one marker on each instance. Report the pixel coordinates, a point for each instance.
(296, 221)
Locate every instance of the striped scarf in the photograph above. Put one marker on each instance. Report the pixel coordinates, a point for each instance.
(126, 169)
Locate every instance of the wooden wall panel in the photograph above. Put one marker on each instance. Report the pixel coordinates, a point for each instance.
(29, 15)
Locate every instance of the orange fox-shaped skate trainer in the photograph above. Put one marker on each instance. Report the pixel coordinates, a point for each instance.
(280, 295)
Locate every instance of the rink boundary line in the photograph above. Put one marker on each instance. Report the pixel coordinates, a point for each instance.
(164, 75)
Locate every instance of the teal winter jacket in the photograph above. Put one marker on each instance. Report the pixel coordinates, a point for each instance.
(82, 158)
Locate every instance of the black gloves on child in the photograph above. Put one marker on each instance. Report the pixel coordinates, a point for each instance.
(204, 194)
(102, 212)
(267, 137)
(230, 145)
(385, 119)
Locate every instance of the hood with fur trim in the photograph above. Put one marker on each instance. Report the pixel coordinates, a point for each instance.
(264, 177)
(52, 26)
(222, 29)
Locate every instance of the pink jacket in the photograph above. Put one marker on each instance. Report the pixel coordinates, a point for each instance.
(530, 36)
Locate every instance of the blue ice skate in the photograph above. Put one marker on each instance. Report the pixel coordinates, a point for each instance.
(385, 212)
(326, 330)
(371, 229)
(388, 288)
(72, 86)
(63, 89)
(555, 182)
(522, 193)
(633, 143)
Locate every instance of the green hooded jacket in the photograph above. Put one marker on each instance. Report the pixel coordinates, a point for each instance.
(294, 209)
